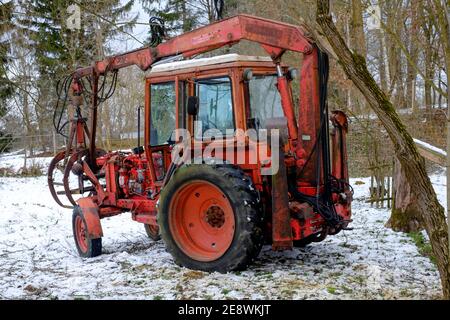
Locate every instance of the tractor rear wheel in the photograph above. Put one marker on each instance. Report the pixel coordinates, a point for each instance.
(210, 218)
(87, 247)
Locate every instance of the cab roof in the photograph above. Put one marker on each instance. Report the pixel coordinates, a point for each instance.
(201, 62)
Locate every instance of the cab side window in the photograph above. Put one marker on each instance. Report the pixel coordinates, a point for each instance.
(215, 106)
(162, 113)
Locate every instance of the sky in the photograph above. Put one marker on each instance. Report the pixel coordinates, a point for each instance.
(125, 42)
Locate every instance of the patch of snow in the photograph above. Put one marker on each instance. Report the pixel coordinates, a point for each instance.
(406, 111)
(38, 259)
(431, 147)
(232, 57)
(15, 161)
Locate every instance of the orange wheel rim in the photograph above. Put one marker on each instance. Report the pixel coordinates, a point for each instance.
(80, 232)
(201, 221)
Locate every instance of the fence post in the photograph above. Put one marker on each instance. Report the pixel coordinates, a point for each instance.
(54, 142)
(448, 176)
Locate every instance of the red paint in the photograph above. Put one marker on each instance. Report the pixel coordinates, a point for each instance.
(288, 107)
(90, 213)
(202, 221)
(81, 234)
(309, 117)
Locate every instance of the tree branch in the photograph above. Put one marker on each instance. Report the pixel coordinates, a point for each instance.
(432, 213)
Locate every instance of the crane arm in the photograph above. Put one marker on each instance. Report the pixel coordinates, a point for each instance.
(275, 37)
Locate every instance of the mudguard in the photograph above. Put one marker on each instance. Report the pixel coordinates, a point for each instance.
(91, 216)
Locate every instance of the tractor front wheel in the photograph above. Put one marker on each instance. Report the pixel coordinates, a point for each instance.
(152, 232)
(87, 247)
(210, 219)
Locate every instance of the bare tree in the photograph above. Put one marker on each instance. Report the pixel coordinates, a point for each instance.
(432, 213)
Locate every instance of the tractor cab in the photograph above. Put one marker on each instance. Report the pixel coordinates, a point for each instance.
(209, 97)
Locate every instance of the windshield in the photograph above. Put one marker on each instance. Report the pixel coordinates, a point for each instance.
(265, 100)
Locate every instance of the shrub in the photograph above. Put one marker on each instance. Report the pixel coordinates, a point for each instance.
(6, 142)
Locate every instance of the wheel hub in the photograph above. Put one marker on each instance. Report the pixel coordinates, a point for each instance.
(202, 221)
(215, 217)
(81, 234)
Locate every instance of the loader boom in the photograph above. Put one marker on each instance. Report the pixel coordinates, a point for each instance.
(275, 37)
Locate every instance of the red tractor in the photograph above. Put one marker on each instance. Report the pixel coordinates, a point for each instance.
(214, 212)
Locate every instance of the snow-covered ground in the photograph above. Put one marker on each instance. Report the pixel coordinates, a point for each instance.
(15, 161)
(38, 259)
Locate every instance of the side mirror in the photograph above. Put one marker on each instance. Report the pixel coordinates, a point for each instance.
(292, 74)
(192, 105)
(247, 74)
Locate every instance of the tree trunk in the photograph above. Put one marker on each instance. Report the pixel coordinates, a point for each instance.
(429, 73)
(427, 27)
(382, 63)
(444, 23)
(358, 42)
(431, 212)
(358, 39)
(405, 216)
(411, 72)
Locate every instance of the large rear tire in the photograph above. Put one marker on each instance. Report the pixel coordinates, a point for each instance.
(210, 218)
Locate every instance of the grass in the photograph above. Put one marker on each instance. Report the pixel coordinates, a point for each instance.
(194, 275)
(331, 290)
(423, 245)
(226, 291)
(346, 289)
(139, 282)
(32, 170)
(7, 172)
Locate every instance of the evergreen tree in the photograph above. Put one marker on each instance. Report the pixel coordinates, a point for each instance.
(178, 15)
(60, 49)
(181, 16)
(6, 88)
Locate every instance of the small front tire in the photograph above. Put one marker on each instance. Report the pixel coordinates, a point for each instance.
(86, 247)
(152, 232)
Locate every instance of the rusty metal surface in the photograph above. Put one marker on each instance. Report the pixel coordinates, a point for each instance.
(309, 121)
(281, 216)
(61, 156)
(90, 213)
(73, 158)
